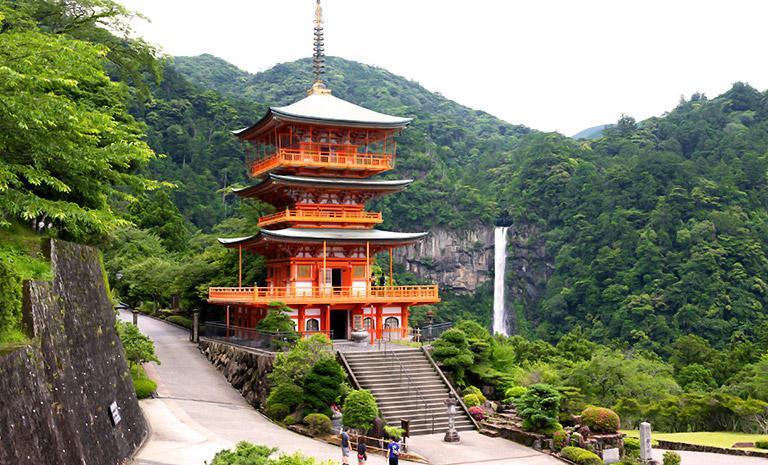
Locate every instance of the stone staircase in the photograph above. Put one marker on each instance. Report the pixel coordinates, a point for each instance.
(406, 385)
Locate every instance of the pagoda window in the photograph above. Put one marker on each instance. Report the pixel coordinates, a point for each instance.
(313, 324)
(303, 271)
(358, 272)
(392, 322)
(367, 323)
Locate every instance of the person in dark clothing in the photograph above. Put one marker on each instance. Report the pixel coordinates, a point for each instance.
(362, 456)
(393, 452)
(344, 447)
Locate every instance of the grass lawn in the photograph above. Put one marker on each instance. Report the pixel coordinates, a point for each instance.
(705, 438)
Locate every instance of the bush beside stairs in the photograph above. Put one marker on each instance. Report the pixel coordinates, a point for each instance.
(394, 390)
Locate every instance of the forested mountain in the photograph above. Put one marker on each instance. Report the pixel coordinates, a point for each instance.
(444, 138)
(655, 230)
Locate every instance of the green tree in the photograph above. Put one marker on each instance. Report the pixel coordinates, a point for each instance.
(139, 349)
(323, 385)
(360, 410)
(451, 350)
(69, 146)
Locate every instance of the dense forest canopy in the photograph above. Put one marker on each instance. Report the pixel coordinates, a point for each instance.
(655, 230)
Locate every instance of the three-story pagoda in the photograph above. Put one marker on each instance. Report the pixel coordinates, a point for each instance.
(314, 162)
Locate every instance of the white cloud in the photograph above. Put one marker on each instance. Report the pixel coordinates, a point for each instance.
(552, 65)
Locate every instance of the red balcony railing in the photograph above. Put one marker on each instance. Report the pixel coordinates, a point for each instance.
(343, 158)
(321, 216)
(291, 295)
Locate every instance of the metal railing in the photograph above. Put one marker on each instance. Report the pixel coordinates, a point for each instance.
(431, 332)
(321, 215)
(324, 294)
(249, 337)
(412, 386)
(318, 156)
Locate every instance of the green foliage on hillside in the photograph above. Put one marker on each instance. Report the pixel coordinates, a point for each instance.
(69, 147)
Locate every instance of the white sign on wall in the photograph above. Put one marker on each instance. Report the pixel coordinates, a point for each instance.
(114, 413)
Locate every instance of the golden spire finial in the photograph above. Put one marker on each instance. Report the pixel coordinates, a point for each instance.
(318, 59)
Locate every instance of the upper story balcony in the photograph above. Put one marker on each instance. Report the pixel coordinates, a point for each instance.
(344, 159)
(322, 216)
(324, 295)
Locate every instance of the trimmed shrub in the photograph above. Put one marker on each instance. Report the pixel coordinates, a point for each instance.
(671, 458)
(144, 387)
(394, 432)
(514, 393)
(277, 411)
(600, 420)
(761, 444)
(581, 456)
(559, 439)
(539, 407)
(477, 413)
(476, 391)
(632, 447)
(322, 385)
(180, 320)
(288, 394)
(289, 420)
(318, 424)
(472, 400)
(360, 410)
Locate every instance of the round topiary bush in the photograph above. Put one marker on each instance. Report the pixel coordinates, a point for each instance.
(761, 444)
(318, 424)
(581, 456)
(472, 400)
(290, 395)
(559, 439)
(514, 393)
(360, 410)
(476, 391)
(477, 413)
(671, 458)
(277, 411)
(600, 420)
(144, 387)
(289, 420)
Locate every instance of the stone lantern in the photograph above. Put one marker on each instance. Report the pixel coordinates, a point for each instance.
(451, 435)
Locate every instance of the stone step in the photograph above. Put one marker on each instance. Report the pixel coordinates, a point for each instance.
(413, 374)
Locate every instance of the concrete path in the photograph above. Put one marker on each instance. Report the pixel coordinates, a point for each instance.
(477, 449)
(198, 413)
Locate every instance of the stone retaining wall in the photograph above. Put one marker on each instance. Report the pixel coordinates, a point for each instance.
(245, 369)
(55, 393)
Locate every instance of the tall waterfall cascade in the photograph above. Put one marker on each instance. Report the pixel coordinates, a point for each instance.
(500, 265)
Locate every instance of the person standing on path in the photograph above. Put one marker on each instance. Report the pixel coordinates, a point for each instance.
(393, 452)
(362, 456)
(344, 446)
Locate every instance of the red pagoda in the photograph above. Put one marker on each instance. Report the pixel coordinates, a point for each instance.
(314, 162)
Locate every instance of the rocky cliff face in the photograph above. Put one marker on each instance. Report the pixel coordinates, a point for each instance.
(457, 260)
(460, 261)
(528, 269)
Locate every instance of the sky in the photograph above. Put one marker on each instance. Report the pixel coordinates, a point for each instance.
(551, 65)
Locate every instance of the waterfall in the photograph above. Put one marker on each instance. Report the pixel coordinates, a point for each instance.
(500, 265)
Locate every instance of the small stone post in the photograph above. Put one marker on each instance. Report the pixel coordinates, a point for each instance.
(135, 317)
(645, 442)
(195, 336)
(451, 435)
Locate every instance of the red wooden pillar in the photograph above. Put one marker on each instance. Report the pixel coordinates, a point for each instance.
(379, 319)
(327, 320)
(404, 320)
(300, 322)
(227, 321)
